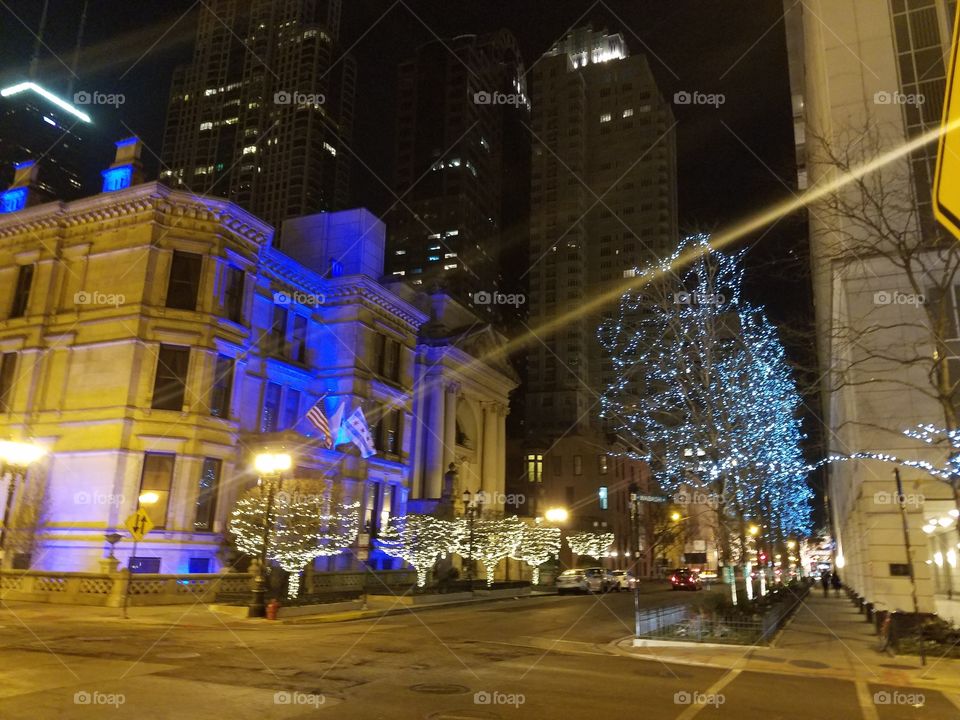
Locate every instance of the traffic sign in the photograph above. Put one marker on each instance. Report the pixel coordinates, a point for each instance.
(139, 524)
(946, 178)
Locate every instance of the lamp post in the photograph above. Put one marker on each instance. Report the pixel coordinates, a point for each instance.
(15, 459)
(269, 466)
(473, 508)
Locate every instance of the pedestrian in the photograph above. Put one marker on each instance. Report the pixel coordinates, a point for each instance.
(835, 581)
(825, 581)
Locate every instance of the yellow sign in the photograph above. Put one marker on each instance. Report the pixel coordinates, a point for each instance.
(139, 524)
(946, 178)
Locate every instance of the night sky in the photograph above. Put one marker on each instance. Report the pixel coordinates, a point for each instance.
(733, 160)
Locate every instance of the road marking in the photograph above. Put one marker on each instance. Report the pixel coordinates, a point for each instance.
(867, 706)
(713, 690)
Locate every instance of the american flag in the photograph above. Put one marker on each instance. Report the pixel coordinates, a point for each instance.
(318, 417)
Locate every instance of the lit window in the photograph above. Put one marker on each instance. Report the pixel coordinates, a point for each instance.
(632, 272)
(602, 497)
(210, 91)
(628, 112)
(400, 272)
(400, 252)
(206, 126)
(447, 256)
(450, 267)
(452, 233)
(606, 117)
(230, 121)
(330, 149)
(249, 149)
(434, 247)
(433, 258)
(535, 468)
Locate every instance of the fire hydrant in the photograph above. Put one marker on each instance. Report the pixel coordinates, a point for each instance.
(272, 607)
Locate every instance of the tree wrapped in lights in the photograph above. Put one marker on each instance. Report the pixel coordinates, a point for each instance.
(538, 544)
(307, 521)
(590, 544)
(493, 540)
(420, 540)
(703, 392)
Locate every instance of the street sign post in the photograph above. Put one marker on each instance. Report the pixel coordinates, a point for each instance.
(946, 178)
(138, 524)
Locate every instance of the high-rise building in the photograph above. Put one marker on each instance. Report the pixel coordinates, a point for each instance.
(867, 79)
(37, 124)
(462, 166)
(603, 202)
(263, 112)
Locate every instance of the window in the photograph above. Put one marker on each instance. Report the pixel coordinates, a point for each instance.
(370, 508)
(386, 507)
(628, 112)
(234, 294)
(606, 117)
(602, 464)
(603, 498)
(156, 479)
(207, 490)
(298, 340)
(278, 331)
(291, 409)
(535, 468)
(21, 293)
(170, 382)
(8, 363)
(578, 465)
(184, 285)
(222, 387)
(387, 358)
(390, 432)
(269, 416)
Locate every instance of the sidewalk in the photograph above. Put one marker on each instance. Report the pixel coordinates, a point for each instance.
(825, 638)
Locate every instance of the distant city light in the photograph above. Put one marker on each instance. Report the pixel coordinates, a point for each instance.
(59, 102)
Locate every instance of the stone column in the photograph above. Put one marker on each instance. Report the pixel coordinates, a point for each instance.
(433, 434)
(449, 426)
(501, 451)
(489, 464)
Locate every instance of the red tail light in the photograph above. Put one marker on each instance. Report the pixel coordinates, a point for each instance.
(673, 578)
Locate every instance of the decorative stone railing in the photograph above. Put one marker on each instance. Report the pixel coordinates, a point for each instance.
(73, 588)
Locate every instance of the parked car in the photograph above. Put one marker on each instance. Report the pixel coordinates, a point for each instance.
(623, 579)
(685, 579)
(708, 576)
(593, 579)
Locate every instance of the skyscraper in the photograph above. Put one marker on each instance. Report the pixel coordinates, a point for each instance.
(462, 165)
(262, 113)
(603, 202)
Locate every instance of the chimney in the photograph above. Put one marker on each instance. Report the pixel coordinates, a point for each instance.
(25, 190)
(126, 169)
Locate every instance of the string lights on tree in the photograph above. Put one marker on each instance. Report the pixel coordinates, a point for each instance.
(704, 393)
(420, 540)
(590, 544)
(538, 543)
(493, 540)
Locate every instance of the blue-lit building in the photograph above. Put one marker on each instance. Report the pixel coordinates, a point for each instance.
(152, 341)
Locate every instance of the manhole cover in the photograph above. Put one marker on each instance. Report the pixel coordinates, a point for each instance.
(464, 715)
(178, 655)
(436, 689)
(812, 664)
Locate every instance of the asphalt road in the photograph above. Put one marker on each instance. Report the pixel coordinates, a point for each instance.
(538, 658)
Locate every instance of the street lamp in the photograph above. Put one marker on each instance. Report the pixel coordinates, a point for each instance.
(270, 466)
(556, 515)
(15, 458)
(473, 508)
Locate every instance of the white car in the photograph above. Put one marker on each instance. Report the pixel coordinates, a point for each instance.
(623, 579)
(592, 579)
